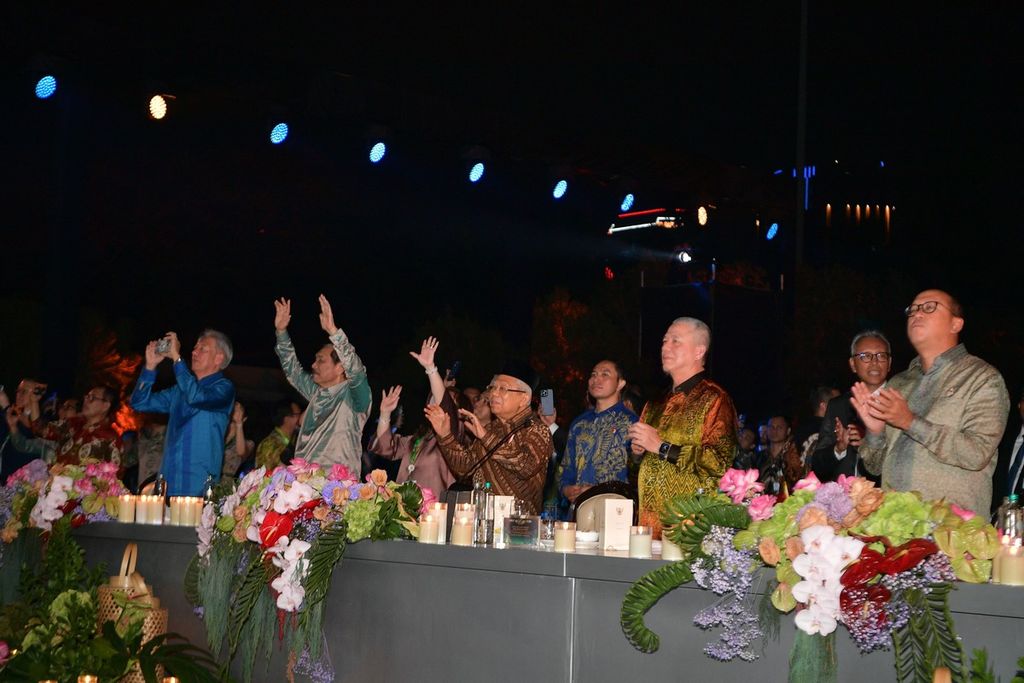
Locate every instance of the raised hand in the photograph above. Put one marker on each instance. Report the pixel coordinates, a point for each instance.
(153, 357)
(282, 314)
(174, 349)
(389, 400)
(889, 405)
(438, 419)
(426, 355)
(473, 423)
(842, 436)
(327, 316)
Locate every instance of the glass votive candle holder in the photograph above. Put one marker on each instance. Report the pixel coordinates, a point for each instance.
(565, 537)
(126, 508)
(440, 513)
(669, 550)
(462, 531)
(428, 529)
(640, 538)
(88, 678)
(172, 679)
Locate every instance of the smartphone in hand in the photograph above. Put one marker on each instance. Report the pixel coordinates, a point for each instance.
(547, 401)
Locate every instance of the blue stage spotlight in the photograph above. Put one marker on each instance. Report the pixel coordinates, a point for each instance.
(627, 202)
(477, 172)
(773, 230)
(561, 187)
(279, 133)
(45, 87)
(377, 152)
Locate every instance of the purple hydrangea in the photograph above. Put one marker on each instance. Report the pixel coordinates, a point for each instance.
(834, 500)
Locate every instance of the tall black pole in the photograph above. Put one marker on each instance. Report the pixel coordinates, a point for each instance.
(801, 136)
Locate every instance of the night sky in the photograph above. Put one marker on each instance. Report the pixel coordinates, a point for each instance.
(198, 221)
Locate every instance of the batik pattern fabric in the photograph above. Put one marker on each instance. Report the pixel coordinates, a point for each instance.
(71, 441)
(701, 422)
(269, 451)
(597, 449)
(516, 468)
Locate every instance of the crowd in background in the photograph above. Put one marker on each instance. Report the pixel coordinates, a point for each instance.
(508, 432)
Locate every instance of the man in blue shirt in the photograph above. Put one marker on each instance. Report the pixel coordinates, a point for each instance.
(198, 407)
(597, 449)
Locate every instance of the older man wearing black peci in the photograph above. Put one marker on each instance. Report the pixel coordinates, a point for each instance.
(841, 430)
(512, 451)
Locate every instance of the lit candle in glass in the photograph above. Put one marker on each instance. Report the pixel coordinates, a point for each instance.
(126, 508)
(669, 550)
(176, 506)
(462, 531)
(1011, 567)
(440, 513)
(197, 510)
(565, 537)
(428, 529)
(640, 538)
(88, 678)
(171, 679)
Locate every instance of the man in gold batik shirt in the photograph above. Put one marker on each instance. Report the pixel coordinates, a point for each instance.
(687, 440)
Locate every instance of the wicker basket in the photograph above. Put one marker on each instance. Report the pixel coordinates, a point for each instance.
(131, 584)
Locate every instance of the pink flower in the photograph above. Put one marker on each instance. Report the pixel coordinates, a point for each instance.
(299, 466)
(340, 473)
(760, 507)
(961, 512)
(428, 500)
(5, 652)
(846, 482)
(738, 483)
(85, 486)
(810, 482)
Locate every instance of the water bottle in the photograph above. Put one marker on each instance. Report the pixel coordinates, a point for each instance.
(484, 527)
(1009, 522)
(208, 490)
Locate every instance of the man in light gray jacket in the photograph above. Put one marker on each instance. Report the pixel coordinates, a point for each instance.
(936, 426)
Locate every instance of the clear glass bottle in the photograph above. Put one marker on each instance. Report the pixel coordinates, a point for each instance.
(1009, 524)
(208, 490)
(484, 529)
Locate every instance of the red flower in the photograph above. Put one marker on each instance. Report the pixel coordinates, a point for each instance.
(305, 511)
(78, 520)
(275, 525)
(907, 556)
(864, 569)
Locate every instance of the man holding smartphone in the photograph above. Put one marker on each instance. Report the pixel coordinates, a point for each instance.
(198, 407)
(26, 410)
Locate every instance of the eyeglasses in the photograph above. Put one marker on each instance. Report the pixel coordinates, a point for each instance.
(95, 397)
(925, 307)
(501, 391)
(867, 356)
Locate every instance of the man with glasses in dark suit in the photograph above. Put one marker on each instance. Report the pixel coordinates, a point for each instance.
(841, 430)
(936, 427)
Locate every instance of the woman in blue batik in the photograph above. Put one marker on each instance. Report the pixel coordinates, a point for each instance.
(597, 449)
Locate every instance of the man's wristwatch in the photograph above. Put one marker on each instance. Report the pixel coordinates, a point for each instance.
(668, 452)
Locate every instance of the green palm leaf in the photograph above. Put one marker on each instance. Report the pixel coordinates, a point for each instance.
(688, 519)
(643, 595)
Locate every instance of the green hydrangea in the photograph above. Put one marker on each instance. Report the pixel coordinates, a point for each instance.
(901, 517)
(361, 516)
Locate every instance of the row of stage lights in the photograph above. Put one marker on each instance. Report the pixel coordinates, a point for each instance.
(46, 87)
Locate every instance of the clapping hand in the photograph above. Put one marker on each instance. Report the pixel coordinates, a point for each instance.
(327, 316)
(389, 400)
(861, 401)
(473, 423)
(846, 436)
(282, 314)
(426, 355)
